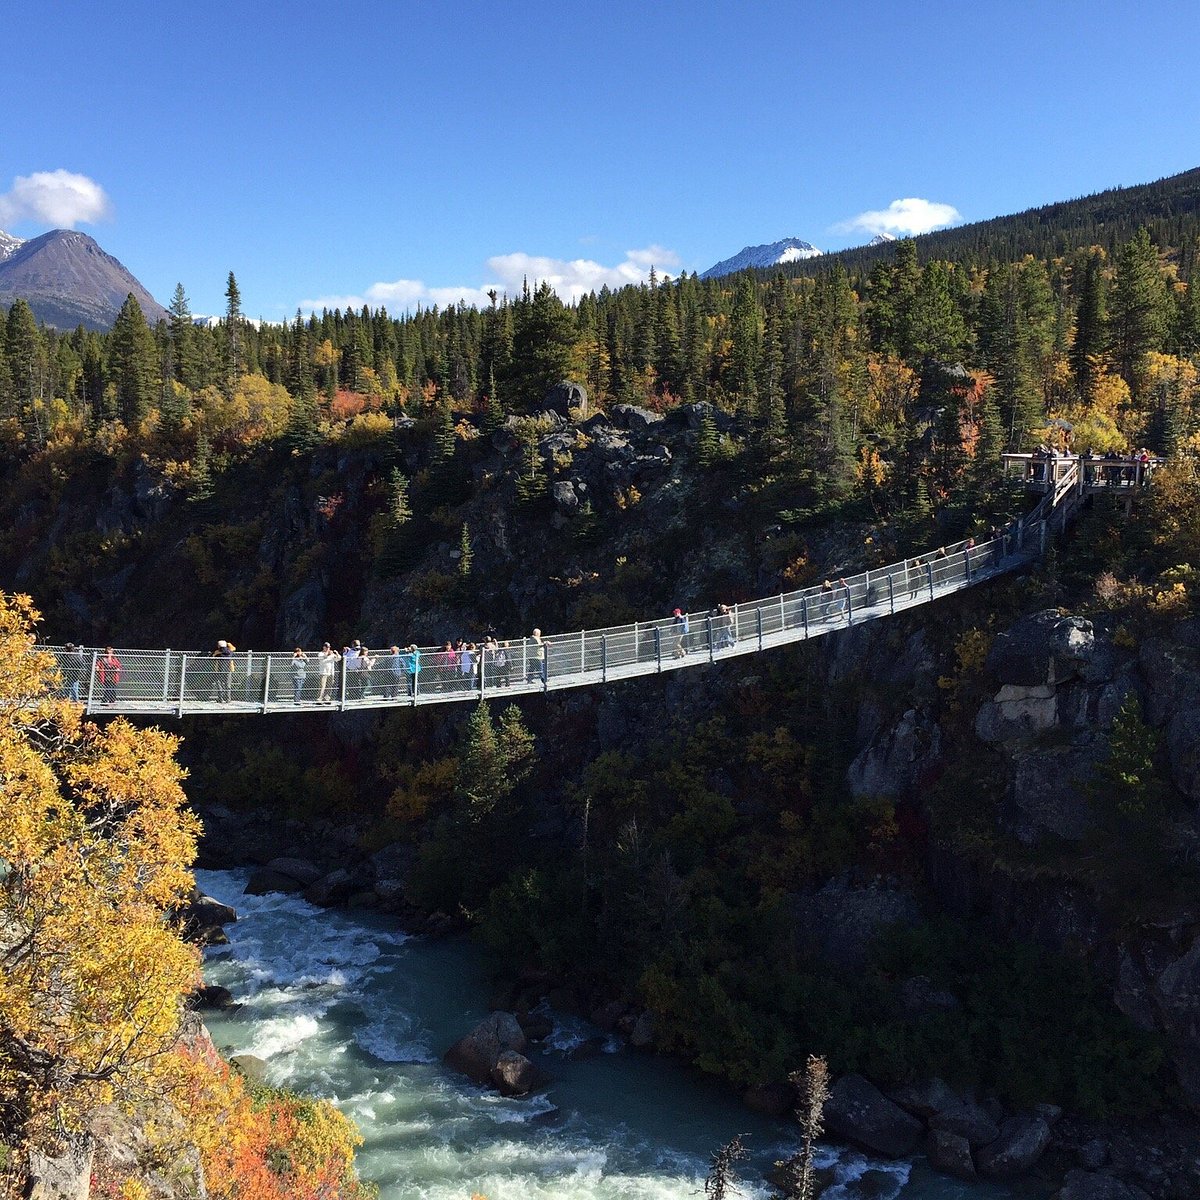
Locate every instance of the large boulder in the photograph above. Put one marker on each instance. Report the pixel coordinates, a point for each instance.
(392, 866)
(950, 1154)
(1022, 1141)
(565, 497)
(335, 888)
(925, 1098)
(1088, 1185)
(568, 400)
(477, 1054)
(264, 881)
(515, 1075)
(859, 1112)
(966, 1120)
(300, 869)
(630, 416)
(1045, 648)
(1017, 712)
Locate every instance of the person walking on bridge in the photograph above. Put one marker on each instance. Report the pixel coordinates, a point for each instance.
(108, 675)
(223, 670)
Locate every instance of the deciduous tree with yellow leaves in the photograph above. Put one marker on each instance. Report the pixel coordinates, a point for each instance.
(95, 844)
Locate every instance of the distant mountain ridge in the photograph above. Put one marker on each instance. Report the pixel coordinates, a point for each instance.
(68, 280)
(756, 257)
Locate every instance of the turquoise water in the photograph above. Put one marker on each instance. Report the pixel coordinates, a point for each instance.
(342, 1006)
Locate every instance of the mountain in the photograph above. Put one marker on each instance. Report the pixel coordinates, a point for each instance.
(881, 239)
(8, 244)
(772, 255)
(68, 280)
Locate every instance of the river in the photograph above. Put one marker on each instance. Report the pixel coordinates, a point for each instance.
(343, 1006)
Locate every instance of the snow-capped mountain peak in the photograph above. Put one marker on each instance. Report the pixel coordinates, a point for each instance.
(881, 239)
(8, 244)
(770, 255)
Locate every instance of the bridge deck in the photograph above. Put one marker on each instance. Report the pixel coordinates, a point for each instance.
(175, 683)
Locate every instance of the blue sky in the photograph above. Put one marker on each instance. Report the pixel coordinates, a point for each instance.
(404, 152)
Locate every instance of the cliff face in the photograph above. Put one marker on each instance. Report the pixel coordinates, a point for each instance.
(1048, 867)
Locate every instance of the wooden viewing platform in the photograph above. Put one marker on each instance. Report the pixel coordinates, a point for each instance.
(1043, 470)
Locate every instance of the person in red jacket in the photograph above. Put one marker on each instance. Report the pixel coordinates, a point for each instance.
(108, 675)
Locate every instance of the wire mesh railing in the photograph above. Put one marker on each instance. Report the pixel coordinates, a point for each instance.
(116, 680)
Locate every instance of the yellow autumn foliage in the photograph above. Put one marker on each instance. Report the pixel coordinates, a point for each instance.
(95, 844)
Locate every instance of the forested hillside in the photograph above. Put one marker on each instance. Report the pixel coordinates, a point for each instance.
(695, 849)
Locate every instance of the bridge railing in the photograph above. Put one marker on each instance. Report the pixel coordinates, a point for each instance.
(178, 682)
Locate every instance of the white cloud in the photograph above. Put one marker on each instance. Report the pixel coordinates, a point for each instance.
(909, 216)
(570, 278)
(58, 198)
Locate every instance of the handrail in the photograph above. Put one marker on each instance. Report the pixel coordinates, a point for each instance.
(176, 683)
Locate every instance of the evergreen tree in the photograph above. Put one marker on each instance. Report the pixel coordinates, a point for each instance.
(1091, 327)
(25, 346)
(202, 484)
(185, 360)
(543, 332)
(234, 334)
(399, 507)
(707, 440)
(133, 364)
(531, 483)
(466, 555)
(1139, 309)
(493, 760)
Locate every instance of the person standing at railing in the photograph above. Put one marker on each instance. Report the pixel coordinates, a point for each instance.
(411, 663)
(392, 664)
(73, 668)
(223, 669)
(724, 628)
(466, 664)
(326, 669)
(840, 599)
(503, 664)
(108, 675)
(536, 663)
(914, 580)
(299, 673)
(682, 632)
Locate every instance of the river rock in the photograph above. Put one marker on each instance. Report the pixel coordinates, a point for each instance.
(925, 1098)
(514, 1075)
(392, 866)
(207, 911)
(263, 881)
(300, 869)
(476, 1054)
(334, 888)
(860, 1113)
(66, 1175)
(1021, 1143)
(967, 1120)
(1087, 1185)
(1041, 649)
(949, 1153)
(213, 996)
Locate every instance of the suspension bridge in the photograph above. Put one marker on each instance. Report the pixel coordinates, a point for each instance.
(178, 683)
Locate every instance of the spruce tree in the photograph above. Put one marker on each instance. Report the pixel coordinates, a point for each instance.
(531, 483)
(185, 361)
(1139, 309)
(25, 345)
(466, 555)
(234, 335)
(1091, 327)
(399, 507)
(133, 364)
